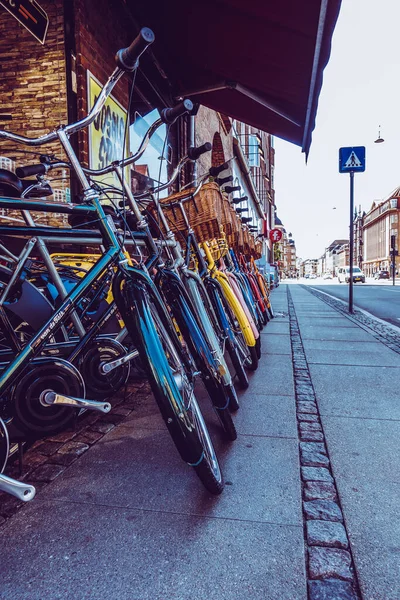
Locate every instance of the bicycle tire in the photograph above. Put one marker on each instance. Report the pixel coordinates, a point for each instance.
(253, 364)
(184, 420)
(233, 399)
(258, 347)
(208, 470)
(250, 360)
(231, 343)
(237, 365)
(197, 345)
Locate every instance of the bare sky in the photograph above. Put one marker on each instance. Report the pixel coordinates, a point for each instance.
(361, 90)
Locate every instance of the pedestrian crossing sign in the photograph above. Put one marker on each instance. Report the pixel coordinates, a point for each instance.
(352, 159)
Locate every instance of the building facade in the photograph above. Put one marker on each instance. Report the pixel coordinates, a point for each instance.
(381, 222)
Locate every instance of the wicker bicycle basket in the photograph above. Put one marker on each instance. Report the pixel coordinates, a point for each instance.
(203, 211)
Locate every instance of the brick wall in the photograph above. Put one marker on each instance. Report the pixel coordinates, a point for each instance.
(33, 76)
(32, 83)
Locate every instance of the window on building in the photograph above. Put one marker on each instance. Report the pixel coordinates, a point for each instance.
(253, 151)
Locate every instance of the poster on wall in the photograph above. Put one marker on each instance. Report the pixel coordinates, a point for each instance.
(106, 135)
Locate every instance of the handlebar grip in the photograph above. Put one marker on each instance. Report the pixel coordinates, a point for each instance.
(127, 58)
(223, 180)
(229, 189)
(23, 172)
(170, 115)
(214, 171)
(239, 200)
(194, 153)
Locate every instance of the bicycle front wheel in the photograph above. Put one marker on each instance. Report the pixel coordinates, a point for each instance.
(165, 364)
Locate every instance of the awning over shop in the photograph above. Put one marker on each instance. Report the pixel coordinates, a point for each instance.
(258, 61)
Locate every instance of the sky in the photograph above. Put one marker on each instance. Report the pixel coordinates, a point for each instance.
(360, 92)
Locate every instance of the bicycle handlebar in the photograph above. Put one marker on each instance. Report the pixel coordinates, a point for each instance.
(195, 153)
(215, 171)
(170, 115)
(28, 171)
(127, 58)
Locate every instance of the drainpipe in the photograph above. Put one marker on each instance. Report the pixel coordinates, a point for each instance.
(192, 142)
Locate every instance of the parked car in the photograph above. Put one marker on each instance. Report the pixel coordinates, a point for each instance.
(307, 276)
(382, 275)
(327, 275)
(344, 275)
(313, 276)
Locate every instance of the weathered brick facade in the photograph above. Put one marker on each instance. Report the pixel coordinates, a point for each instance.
(32, 85)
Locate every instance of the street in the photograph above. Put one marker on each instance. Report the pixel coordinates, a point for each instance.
(380, 298)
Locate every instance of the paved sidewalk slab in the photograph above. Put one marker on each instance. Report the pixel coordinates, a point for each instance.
(109, 552)
(379, 357)
(324, 332)
(275, 376)
(274, 343)
(317, 321)
(357, 391)
(278, 326)
(141, 469)
(338, 352)
(267, 415)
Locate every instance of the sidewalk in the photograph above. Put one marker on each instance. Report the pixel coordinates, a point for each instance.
(130, 521)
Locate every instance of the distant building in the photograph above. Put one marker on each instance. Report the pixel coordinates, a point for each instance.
(334, 256)
(379, 224)
(309, 267)
(285, 252)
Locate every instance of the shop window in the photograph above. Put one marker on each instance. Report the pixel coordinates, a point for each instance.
(154, 161)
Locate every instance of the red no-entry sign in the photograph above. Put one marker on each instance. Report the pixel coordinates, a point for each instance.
(275, 235)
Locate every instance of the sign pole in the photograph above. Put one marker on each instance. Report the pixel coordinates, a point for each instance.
(351, 258)
(351, 160)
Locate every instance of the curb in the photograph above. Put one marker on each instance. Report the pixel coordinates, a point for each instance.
(330, 569)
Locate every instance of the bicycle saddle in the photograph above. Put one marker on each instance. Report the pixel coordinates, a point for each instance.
(13, 187)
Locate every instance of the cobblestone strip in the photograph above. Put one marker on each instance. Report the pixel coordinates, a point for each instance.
(386, 334)
(330, 567)
(50, 457)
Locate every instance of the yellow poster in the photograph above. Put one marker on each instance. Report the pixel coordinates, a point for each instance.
(106, 135)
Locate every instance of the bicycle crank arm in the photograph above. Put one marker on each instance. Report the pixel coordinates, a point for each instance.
(110, 366)
(51, 398)
(20, 490)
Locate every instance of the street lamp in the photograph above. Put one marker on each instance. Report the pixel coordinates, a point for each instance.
(379, 140)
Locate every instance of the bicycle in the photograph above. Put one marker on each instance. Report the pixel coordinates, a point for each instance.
(138, 302)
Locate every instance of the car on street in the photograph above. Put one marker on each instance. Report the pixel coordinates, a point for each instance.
(382, 275)
(313, 276)
(344, 275)
(327, 275)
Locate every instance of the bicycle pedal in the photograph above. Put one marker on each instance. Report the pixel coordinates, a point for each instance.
(49, 398)
(22, 491)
